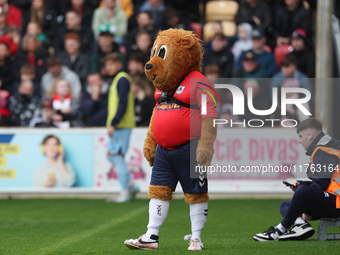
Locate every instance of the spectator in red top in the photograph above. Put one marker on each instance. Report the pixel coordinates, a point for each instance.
(31, 53)
(11, 37)
(13, 14)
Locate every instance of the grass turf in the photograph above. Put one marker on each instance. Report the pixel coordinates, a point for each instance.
(82, 226)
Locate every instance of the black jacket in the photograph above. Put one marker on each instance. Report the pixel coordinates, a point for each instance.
(224, 59)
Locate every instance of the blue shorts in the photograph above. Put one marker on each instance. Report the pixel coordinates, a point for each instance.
(171, 166)
(119, 142)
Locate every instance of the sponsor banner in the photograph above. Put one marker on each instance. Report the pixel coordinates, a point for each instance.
(244, 161)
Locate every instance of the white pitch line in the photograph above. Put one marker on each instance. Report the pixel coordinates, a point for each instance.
(78, 237)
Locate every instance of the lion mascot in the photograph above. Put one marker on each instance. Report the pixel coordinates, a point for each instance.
(181, 133)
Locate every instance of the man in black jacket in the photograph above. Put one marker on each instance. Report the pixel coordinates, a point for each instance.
(312, 199)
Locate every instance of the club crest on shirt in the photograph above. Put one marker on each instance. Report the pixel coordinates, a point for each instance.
(180, 90)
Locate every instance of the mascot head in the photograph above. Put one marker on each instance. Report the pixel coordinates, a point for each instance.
(175, 53)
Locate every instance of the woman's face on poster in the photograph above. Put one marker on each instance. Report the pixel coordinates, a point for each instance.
(51, 148)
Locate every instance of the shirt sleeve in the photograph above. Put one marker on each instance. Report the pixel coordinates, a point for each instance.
(71, 177)
(123, 88)
(204, 89)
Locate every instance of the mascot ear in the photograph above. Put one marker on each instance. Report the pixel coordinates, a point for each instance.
(187, 41)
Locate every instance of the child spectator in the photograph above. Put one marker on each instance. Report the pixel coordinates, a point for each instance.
(220, 55)
(94, 101)
(106, 45)
(33, 54)
(251, 68)
(73, 58)
(304, 55)
(120, 121)
(143, 45)
(27, 73)
(47, 114)
(57, 70)
(11, 37)
(73, 23)
(244, 42)
(110, 14)
(264, 58)
(288, 71)
(6, 65)
(24, 106)
(64, 104)
(144, 100)
(136, 64)
(45, 17)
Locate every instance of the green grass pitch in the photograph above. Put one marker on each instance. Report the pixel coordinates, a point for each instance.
(92, 226)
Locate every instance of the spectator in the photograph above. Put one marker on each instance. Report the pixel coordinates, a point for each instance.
(110, 15)
(290, 16)
(120, 121)
(11, 37)
(34, 28)
(65, 105)
(226, 114)
(251, 68)
(304, 55)
(106, 45)
(254, 12)
(156, 8)
(5, 112)
(136, 64)
(27, 73)
(264, 58)
(173, 20)
(259, 99)
(13, 14)
(33, 54)
(57, 70)
(288, 71)
(244, 42)
(24, 106)
(73, 58)
(47, 114)
(144, 100)
(73, 23)
(45, 17)
(292, 111)
(144, 23)
(143, 45)
(55, 173)
(94, 102)
(212, 72)
(2, 23)
(85, 11)
(6, 65)
(220, 55)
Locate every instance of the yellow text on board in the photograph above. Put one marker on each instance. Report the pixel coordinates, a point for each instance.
(7, 148)
(7, 173)
(2, 161)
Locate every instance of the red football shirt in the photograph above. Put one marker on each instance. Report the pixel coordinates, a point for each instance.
(174, 125)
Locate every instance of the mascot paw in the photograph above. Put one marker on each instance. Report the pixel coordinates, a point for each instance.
(149, 155)
(204, 153)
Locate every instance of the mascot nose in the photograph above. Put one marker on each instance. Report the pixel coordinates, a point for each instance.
(148, 66)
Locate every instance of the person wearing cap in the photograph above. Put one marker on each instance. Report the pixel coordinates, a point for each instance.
(112, 15)
(73, 23)
(251, 68)
(304, 55)
(289, 71)
(264, 58)
(290, 15)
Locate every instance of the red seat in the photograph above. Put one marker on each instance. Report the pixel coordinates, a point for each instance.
(281, 51)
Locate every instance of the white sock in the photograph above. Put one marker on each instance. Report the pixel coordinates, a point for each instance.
(158, 210)
(299, 221)
(198, 216)
(281, 228)
(124, 192)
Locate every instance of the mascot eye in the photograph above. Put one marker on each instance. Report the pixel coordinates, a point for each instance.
(162, 52)
(154, 51)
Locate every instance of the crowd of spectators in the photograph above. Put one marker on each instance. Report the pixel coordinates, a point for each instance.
(52, 53)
